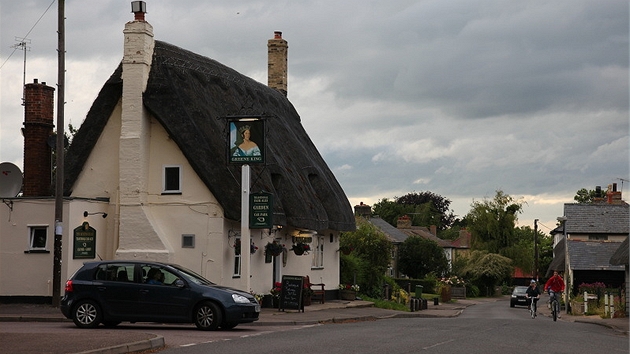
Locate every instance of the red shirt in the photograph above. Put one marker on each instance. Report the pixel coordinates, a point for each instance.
(555, 283)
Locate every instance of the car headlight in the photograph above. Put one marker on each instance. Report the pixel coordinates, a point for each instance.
(240, 299)
(513, 295)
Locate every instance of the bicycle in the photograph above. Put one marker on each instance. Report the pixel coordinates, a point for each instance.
(533, 306)
(555, 305)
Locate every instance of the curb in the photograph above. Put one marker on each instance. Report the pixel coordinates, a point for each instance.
(153, 343)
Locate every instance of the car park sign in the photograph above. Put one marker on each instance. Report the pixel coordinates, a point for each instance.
(261, 210)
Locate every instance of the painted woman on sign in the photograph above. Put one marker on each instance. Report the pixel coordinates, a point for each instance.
(244, 146)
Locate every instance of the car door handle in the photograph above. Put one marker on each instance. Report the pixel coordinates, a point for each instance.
(144, 291)
(102, 288)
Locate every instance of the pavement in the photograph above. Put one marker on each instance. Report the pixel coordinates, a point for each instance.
(333, 311)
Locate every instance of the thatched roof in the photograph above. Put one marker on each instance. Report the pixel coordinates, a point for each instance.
(189, 94)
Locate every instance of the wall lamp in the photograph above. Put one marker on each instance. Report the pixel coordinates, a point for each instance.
(85, 214)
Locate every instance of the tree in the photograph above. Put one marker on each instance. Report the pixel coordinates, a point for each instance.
(492, 222)
(487, 270)
(418, 257)
(584, 196)
(373, 250)
(424, 209)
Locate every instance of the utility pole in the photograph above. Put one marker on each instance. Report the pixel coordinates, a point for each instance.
(61, 64)
(536, 249)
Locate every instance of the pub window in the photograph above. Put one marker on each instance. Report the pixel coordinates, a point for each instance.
(318, 252)
(172, 179)
(237, 262)
(38, 238)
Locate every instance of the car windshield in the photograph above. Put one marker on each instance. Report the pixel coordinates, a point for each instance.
(193, 277)
(520, 290)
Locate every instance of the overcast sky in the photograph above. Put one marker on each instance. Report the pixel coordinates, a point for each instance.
(458, 97)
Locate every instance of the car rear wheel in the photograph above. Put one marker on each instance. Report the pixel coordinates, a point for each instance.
(207, 316)
(87, 314)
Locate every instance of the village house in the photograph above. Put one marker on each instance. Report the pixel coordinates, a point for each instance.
(588, 237)
(150, 176)
(403, 230)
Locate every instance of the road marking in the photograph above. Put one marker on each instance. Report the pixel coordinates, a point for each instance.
(438, 344)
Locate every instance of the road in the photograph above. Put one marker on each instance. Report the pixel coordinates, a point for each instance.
(484, 328)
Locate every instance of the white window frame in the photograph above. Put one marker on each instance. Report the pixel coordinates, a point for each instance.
(318, 252)
(164, 180)
(237, 262)
(31, 237)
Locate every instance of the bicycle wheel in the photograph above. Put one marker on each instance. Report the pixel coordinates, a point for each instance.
(533, 309)
(554, 310)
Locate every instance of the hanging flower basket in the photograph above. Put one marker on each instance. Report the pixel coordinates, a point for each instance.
(273, 249)
(237, 246)
(346, 249)
(300, 248)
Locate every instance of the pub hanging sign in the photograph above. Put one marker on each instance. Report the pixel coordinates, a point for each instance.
(84, 245)
(261, 210)
(246, 140)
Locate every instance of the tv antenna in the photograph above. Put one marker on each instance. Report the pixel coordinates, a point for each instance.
(23, 44)
(622, 180)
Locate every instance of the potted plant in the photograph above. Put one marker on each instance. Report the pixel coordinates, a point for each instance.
(273, 249)
(273, 298)
(348, 291)
(253, 248)
(300, 248)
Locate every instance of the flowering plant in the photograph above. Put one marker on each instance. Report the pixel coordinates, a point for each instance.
(273, 248)
(277, 288)
(237, 247)
(347, 249)
(258, 297)
(353, 287)
(300, 248)
(453, 280)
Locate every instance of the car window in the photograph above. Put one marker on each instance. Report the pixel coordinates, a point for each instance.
(155, 275)
(193, 277)
(115, 272)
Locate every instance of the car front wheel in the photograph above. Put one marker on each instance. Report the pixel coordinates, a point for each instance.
(207, 316)
(87, 314)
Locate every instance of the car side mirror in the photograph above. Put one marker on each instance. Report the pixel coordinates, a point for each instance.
(179, 283)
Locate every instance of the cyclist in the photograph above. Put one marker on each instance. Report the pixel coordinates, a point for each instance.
(554, 286)
(532, 294)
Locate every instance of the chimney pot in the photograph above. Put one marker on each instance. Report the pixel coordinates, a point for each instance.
(277, 35)
(139, 8)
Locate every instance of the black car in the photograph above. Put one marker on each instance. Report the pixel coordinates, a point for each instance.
(111, 292)
(518, 296)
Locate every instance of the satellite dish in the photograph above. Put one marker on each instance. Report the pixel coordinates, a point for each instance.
(10, 180)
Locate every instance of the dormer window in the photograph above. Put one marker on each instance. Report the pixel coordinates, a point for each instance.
(172, 179)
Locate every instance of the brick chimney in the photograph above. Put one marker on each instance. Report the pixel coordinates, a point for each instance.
(612, 195)
(403, 222)
(38, 128)
(277, 54)
(363, 210)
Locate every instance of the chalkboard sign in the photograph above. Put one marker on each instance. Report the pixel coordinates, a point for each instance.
(291, 293)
